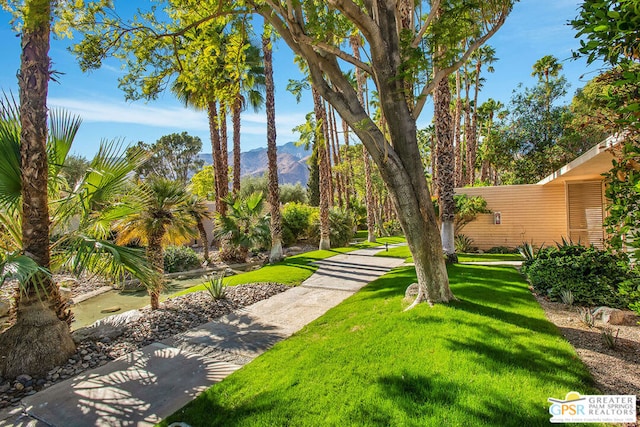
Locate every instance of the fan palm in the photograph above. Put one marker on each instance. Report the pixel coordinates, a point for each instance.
(163, 220)
(79, 224)
(244, 227)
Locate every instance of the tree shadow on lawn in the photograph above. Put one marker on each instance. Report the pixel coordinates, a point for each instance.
(440, 400)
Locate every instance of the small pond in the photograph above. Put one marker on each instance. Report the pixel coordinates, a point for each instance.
(90, 310)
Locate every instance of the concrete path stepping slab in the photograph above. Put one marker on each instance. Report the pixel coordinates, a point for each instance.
(137, 389)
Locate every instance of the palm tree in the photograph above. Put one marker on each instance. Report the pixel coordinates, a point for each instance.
(324, 163)
(484, 55)
(79, 219)
(247, 87)
(545, 68)
(243, 227)
(163, 220)
(361, 84)
(197, 207)
(272, 151)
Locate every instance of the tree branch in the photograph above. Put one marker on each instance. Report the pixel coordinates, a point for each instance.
(432, 14)
(427, 89)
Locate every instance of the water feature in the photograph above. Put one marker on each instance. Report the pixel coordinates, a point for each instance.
(114, 302)
(105, 304)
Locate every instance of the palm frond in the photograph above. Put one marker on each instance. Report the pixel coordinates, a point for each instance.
(10, 175)
(104, 258)
(15, 266)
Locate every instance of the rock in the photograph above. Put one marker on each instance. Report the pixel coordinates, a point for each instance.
(97, 332)
(5, 388)
(4, 308)
(18, 386)
(110, 309)
(23, 378)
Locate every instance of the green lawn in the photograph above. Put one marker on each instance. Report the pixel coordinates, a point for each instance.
(294, 269)
(491, 358)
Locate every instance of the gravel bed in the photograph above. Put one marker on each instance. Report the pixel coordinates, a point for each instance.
(175, 316)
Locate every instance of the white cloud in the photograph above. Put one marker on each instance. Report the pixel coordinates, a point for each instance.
(140, 114)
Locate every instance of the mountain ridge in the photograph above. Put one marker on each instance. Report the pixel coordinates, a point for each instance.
(292, 163)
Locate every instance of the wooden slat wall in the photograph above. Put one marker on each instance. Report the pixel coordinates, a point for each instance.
(529, 213)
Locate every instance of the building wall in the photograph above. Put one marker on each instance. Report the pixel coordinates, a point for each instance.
(528, 213)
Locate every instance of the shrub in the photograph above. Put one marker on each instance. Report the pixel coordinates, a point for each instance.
(464, 244)
(293, 193)
(296, 218)
(340, 225)
(392, 227)
(593, 276)
(501, 250)
(180, 258)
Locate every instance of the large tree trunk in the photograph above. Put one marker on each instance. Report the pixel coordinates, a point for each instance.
(237, 108)
(445, 166)
(40, 338)
(399, 163)
(324, 167)
(272, 154)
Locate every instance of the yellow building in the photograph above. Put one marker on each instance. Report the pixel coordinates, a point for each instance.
(568, 203)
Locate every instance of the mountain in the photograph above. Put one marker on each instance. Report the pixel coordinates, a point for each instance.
(292, 163)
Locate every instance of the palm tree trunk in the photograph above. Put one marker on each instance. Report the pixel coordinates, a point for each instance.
(456, 133)
(473, 135)
(218, 167)
(325, 172)
(224, 151)
(203, 236)
(442, 118)
(40, 338)
(272, 154)
(155, 255)
(368, 183)
(237, 107)
(348, 182)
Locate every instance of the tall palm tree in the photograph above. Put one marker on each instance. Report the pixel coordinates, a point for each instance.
(272, 151)
(197, 207)
(485, 55)
(248, 91)
(164, 219)
(369, 201)
(79, 219)
(324, 163)
(545, 68)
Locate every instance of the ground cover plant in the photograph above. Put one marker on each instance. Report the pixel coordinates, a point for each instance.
(403, 252)
(490, 358)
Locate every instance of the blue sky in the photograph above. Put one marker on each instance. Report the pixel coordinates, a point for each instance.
(534, 29)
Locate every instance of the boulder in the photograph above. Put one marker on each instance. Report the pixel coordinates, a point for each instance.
(614, 316)
(97, 332)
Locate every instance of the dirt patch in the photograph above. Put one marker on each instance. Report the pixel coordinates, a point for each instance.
(615, 370)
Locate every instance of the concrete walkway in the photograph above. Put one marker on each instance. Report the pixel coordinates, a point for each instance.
(145, 386)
